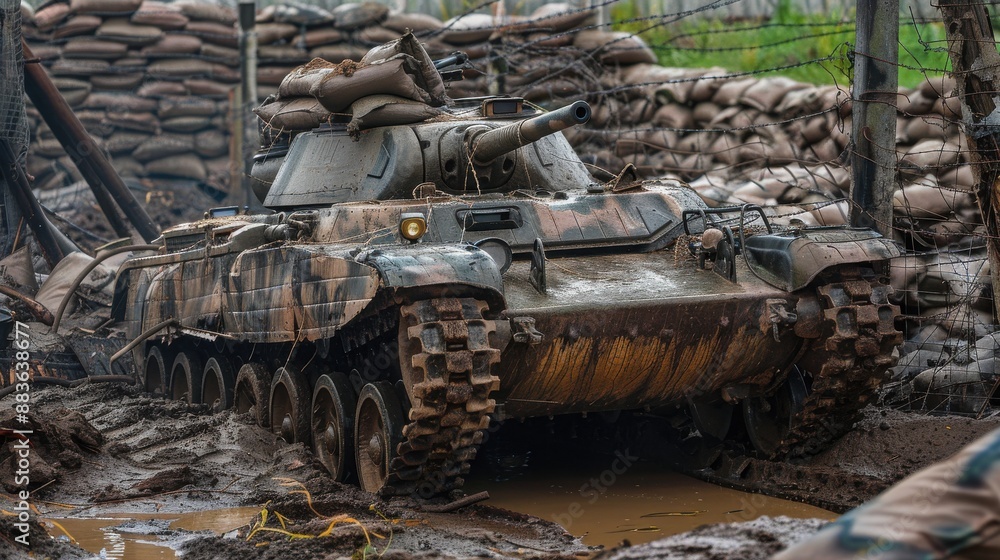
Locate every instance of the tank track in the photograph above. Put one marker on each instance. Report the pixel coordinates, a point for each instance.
(446, 350)
(856, 351)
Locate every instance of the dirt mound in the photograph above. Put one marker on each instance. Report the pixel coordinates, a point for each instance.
(58, 441)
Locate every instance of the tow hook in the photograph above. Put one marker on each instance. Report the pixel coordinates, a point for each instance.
(525, 331)
(778, 315)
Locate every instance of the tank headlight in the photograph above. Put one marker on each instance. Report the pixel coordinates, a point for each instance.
(412, 226)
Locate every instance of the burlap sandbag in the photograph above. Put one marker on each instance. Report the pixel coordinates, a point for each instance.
(301, 113)
(352, 16)
(79, 67)
(350, 82)
(322, 36)
(104, 6)
(401, 22)
(185, 124)
(51, 15)
(163, 145)
(559, 17)
(300, 81)
(131, 63)
(77, 25)
(57, 285)
(673, 116)
(218, 53)
(125, 142)
(185, 166)
(186, 106)
(211, 143)
(376, 35)
(767, 93)
(142, 122)
(800, 102)
(46, 52)
(17, 271)
(121, 30)
(50, 148)
(707, 85)
(207, 11)
(268, 33)
(157, 89)
(337, 53)
(467, 28)
(74, 91)
(730, 92)
(428, 79)
(190, 68)
(295, 13)
(930, 127)
(614, 47)
(929, 200)
(929, 155)
(272, 75)
(548, 40)
(116, 102)
(281, 54)
(165, 16)
(86, 47)
(173, 44)
(388, 110)
(214, 32)
(117, 82)
(208, 88)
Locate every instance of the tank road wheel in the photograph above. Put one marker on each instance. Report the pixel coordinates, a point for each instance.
(333, 407)
(712, 417)
(252, 393)
(378, 429)
(217, 384)
(769, 419)
(185, 377)
(290, 405)
(155, 371)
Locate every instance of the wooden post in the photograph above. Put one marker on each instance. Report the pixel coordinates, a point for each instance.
(873, 135)
(975, 64)
(248, 100)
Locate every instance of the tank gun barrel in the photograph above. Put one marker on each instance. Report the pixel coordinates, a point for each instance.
(492, 144)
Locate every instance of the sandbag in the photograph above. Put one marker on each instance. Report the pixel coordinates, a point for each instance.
(128, 167)
(214, 32)
(300, 81)
(185, 124)
(388, 110)
(295, 13)
(17, 271)
(73, 91)
(85, 47)
(283, 54)
(401, 22)
(60, 280)
(51, 15)
(350, 82)
(142, 122)
(211, 143)
(125, 142)
(218, 53)
(468, 28)
(928, 200)
(77, 25)
(116, 102)
(271, 75)
(163, 145)
(301, 113)
(173, 44)
(208, 88)
(207, 11)
(117, 82)
(559, 17)
(165, 16)
(615, 47)
(337, 53)
(121, 30)
(186, 106)
(131, 63)
(429, 79)
(767, 94)
(190, 68)
(104, 6)
(322, 36)
(185, 166)
(268, 33)
(156, 89)
(376, 35)
(352, 16)
(84, 67)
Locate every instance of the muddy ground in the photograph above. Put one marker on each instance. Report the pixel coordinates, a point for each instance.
(106, 447)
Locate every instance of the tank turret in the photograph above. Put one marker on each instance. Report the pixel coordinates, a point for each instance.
(497, 144)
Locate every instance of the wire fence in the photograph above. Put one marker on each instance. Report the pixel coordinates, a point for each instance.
(744, 111)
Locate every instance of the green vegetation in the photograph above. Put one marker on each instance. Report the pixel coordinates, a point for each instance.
(807, 48)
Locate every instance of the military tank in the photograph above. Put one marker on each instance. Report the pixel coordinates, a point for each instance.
(411, 281)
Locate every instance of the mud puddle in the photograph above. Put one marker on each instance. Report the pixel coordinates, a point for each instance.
(131, 536)
(606, 500)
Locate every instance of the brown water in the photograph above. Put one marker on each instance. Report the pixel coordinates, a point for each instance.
(606, 502)
(603, 500)
(102, 533)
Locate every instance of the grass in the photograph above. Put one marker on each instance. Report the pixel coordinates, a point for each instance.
(808, 48)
